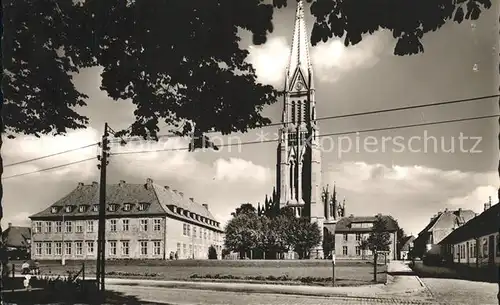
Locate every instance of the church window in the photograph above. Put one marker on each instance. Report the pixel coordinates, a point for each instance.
(293, 112)
(313, 114)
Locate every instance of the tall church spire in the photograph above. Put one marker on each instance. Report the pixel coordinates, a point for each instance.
(299, 53)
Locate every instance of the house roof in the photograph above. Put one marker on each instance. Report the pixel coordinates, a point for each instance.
(406, 242)
(16, 236)
(448, 219)
(344, 225)
(159, 200)
(485, 223)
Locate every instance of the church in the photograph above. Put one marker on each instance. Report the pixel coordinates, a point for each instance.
(298, 167)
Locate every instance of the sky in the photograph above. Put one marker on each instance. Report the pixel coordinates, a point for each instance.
(410, 182)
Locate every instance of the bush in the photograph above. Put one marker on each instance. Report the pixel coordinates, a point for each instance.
(212, 253)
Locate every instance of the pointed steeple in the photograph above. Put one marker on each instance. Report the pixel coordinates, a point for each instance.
(299, 55)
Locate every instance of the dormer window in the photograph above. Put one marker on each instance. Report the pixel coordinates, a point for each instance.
(81, 208)
(67, 209)
(127, 207)
(112, 207)
(174, 209)
(95, 208)
(54, 210)
(142, 206)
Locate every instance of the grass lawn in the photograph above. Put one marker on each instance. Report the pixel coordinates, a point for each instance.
(348, 273)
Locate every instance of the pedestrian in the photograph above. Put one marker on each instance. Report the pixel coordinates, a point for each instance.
(25, 268)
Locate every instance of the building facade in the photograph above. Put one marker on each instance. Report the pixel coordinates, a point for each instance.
(298, 168)
(143, 221)
(439, 226)
(476, 243)
(406, 247)
(351, 231)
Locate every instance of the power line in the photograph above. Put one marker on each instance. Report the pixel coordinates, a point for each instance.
(479, 98)
(51, 155)
(281, 123)
(325, 135)
(48, 168)
(269, 141)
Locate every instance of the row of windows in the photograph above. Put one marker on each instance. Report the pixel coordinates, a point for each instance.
(359, 236)
(190, 250)
(345, 250)
(470, 249)
(199, 232)
(112, 207)
(57, 248)
(90, 226)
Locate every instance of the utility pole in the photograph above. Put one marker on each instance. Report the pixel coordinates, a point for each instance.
(101, 234)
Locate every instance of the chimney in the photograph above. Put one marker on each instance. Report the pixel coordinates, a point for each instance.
(80, 184)
(122, 183)
(149, 181)
(352, 215)
(175, 191)
(446, 210)
(95, 183)
(181, 193)
(191, 199)
(167, 187)
(205, 206)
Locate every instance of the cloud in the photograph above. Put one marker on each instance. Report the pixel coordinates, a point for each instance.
(409, 193)
(270, 60)
(330, 60)
(29, 147)
(234, 169)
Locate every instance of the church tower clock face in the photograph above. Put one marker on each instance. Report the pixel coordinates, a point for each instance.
(299, 85)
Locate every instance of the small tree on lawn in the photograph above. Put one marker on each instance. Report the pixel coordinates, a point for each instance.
(212, 253)
(379, 237)
(328, 243)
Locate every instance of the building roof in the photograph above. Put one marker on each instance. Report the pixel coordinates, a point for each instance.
(16, 237)
(129, 200)
(485, 223)
(406, 243)
(344, 225)
(448, 219)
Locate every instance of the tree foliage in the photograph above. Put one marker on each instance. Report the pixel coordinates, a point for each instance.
(328, 243)
(212, 252)
(247, 231)
(407, 20)
(379, 237)
(304, 236)
(245, 208)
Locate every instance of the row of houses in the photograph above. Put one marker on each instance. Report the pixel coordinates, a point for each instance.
(462, 237)
(143, 221)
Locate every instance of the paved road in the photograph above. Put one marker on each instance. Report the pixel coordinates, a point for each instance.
(460, 292)
(192, 297)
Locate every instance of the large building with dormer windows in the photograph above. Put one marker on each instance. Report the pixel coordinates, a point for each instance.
(143, 221)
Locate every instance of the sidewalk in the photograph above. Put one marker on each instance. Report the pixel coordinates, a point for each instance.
(397, 285)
